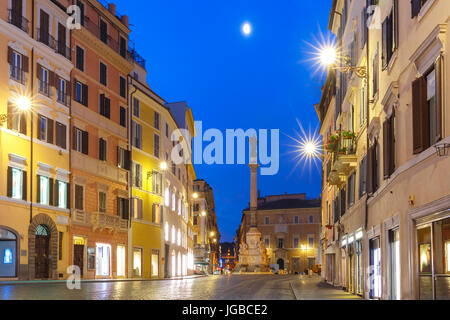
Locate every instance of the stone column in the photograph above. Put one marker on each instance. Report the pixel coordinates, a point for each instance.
(253, 193)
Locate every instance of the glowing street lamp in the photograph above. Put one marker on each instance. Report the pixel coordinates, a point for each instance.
(212, 234)
(329, 56)
(203, 213)
(163, 166)
(23, 103)
(195, 195)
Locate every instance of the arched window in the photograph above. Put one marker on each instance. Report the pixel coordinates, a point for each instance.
(42, 230)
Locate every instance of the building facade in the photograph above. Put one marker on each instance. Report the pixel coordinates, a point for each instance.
(385, 197)
(290, 229)
(206, 233)
(34, 196)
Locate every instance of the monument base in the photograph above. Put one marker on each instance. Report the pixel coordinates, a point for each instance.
(252, 254)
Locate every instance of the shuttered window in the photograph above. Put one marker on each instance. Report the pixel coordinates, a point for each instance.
(427, 108)
(137, 208)
(390, 35)
(123, 158)
(156, 145)
(123, 117)
(17, 184)
(363, 177)
(105, 106)
(372, 174)
(389, 147)
(17, 120)
(79, 197)
(102, 202)
(79, 58)
(61, 135)
(351, 190)
(102, 149)
(103, 74)
(123, 208)
(416, 6)
(81, 141)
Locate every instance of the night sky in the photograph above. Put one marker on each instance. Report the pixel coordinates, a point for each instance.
(196, 52)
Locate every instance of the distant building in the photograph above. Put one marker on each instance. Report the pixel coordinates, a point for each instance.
(290, 226)
(228, 255)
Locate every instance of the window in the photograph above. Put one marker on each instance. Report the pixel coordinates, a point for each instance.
(196, 207)
(79, 58)
(80, 141)
(60, 245)
(173, 235)
(311, 219)
(296, 221)
(156, 145)
(62, 195)
(179, 206)
(17, 121)
(173, 202)
(79, 197)
(136, 108)
(18, 65)
(280, 243)
(363, 177)
(137, 135)
(103, 74)
(123, 87)
(102, 201)
(105, 106)
(310, 242)
(351, 189)
(123, 117)
(296, 243)
(17, 184)
(80, 93)
(81, 6)
(166, 231)
(157, 183)
(137, 209)
(123, 158)
(123, 46)
(166, 197)
(61, 135)
(156, 215)
(195, 222)
(44, 81)
(123, 205)
(375, 67)
(157, 120)
(427, 108)
(179, 237)
(167, 130)
(266, 220)
(62, 92)
(389, 146)
(137, 175)
(389, 34)
(103, 31)
(45, 129)
(44, 194)
(102, 149)
(416, 6)
(373, 176)
(267, 242)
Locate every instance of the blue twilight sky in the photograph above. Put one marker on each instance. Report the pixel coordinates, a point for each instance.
(195, 51)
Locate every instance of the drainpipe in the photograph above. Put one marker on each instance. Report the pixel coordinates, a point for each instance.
(130, 188)
(366, 220)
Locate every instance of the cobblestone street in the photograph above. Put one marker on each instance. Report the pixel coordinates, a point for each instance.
(235, 287)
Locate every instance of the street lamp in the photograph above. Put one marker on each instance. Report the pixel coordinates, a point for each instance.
(203, 213)
(195, 195)
(22, 102)
(328, 56)
(162, 166)
(212, 234)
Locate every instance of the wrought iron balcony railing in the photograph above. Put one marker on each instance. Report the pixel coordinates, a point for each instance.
(63, 50)
(16, 19)
(63, 98)
(17, 74)
(44, 88)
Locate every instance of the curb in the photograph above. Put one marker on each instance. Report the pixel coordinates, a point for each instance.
(293, 290)
(15, 283)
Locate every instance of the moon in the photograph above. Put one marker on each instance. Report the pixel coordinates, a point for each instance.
(246, 29)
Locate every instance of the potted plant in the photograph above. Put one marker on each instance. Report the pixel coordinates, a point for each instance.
(332, 143)
(348, 135)
(343, 150)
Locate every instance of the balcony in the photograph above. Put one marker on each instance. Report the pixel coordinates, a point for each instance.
(63, 50)
(99, 221)
(16, 19)
(63, 98)
(46, 38)
(344, 159)
(17, 74)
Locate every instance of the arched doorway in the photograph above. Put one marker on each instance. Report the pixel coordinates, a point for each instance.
(42, 250)
(8, 253)
(280, 263)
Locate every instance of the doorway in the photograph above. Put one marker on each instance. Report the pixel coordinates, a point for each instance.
(433, 241)
(42, 248)
(280, 263)
(394, 263)
(103, 255)
(121, 261)
(8, 254)
(375, 269)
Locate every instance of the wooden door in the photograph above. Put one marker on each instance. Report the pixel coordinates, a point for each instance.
(78, 257)
(42, 260)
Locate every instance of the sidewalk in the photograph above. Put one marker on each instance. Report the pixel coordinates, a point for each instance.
(17, 282)
(311, 288)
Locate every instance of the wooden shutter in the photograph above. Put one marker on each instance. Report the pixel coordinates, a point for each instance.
(63, 136)
(9, 183)
(85, 143)
(24, 186)
(392, 144)
(23, 123)
(419, 87)
(50, 131)
(68, 196)
(39, 71)
(154, 213)
(75, 89)
(415, 7)
(85, 95)
(25, 64)
(384, 55)
(386, 148)
(74, 140)
(108, 108)
(10, 56)
(38, 189)
(56, 194)
(51, 198)
(369, 173)
(438, 67)
(127, 159)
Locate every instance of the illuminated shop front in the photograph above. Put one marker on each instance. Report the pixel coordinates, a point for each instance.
(8, 254)
(103, 254)
(433, 248)
(374, 275)
(121, 253)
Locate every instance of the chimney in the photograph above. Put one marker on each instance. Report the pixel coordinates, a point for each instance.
(112, 8)
(125, 20)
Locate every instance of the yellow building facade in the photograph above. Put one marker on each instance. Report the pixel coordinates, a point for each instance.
(34, 153)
